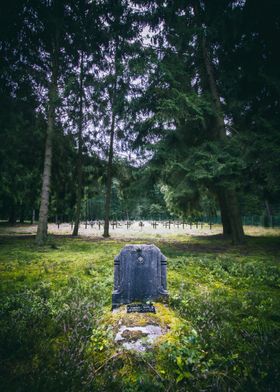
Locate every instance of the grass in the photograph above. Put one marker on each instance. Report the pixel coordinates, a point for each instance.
(54, 301)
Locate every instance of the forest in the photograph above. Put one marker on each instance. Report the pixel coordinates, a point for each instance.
(132, 111)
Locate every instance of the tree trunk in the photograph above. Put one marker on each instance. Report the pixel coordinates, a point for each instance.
(12, 214)
(267, 208)
(231, 219)
(224, 214)
(219, 131)
(111, 148)
(267, 221)
(109, 179)
(80, 152)
(21, 218)
(237, 233)
(32, 217)
(45, 191)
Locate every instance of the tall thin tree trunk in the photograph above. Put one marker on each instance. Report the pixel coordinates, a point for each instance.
(12, 213)
(80, 151)
(45, 192)
(32, 220)
(268, 221)
(229, 207)
(109, 178)
(111, 147)
(22, 213)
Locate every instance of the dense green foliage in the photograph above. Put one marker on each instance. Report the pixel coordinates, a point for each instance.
(135, 73)
(52, 301)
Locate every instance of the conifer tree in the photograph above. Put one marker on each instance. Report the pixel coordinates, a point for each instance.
(52, 18)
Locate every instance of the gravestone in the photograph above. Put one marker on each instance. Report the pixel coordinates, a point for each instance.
(128, 224)
(139, 275)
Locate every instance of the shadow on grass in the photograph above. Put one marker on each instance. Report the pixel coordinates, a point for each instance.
(215, 244)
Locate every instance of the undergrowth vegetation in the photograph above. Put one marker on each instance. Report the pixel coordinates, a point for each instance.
(54, 301)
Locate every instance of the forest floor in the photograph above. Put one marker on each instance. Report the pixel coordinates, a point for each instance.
(56, 333)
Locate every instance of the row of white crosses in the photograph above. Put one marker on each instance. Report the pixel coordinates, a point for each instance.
(167, 224)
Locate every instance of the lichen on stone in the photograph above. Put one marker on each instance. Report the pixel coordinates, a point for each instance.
(140, 331)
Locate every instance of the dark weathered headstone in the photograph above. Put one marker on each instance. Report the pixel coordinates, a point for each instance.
(139, 275)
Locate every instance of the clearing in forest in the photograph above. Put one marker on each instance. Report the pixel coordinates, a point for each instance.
(56, 323)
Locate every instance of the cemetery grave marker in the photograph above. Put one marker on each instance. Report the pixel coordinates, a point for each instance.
(114, 224)
(128, 224)
(139, 275)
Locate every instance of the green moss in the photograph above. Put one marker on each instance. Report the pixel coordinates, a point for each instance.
(131, 336)
(222, 323)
